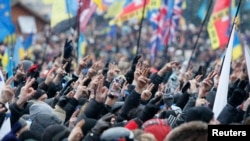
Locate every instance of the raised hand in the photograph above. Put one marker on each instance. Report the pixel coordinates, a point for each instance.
(7, 91)
(101, 91)
(68, 48)
(160, 90)
(26, 92)
(50, 76)
(207, 84)
(142, 81)
(76, 134)
(82, 64)
(20, 72)
(146, 94)
(60, 72)
(168, 67)
(194, 84)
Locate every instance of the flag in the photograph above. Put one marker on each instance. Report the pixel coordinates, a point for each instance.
(19, 51)
(202, 10)
(47, 1)
(174, 12)
(157, 21)
(81, 46)
(59, 12)
(221, 93)
(28, 41)
(218, 24)
(7, 28)
(99, 4)
(72, 7)
(114, 8)
(132, 10)
(237, 48)
(85, 14)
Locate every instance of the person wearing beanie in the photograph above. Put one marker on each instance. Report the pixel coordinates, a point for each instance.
(55, 132)
(40, 95)
(117, 133)
(158, 127)
(201, 113)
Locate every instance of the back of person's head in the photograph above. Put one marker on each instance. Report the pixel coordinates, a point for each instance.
(189, 131)
(117, 133)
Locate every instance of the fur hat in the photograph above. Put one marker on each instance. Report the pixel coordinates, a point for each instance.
(189, 131)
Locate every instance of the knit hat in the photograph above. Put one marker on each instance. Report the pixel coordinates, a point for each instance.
(42, 116)
(41, 122)
(200, 113)
(27, 136)
(117, 133)
(55, 133)
(39, 108)
(38, 94)
(158, 127)
(26, 64)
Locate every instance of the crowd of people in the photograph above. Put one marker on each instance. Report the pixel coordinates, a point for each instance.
(111, 93)
(96, 99)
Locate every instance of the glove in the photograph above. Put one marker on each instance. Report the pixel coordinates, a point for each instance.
(151, 108)
(102, 124)
(135, 61)
(130, 74)
(238, 96)
(67, 53)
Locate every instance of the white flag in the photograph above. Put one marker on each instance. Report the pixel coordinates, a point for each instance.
(6, 127)
(221, 94)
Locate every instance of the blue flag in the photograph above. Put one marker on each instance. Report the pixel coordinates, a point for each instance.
(6, 25)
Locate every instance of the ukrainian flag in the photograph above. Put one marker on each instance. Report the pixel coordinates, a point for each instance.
(81, 46)
(237, 47)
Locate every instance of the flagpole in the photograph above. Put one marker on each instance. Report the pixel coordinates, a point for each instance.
(140, 27)
(235, 16)
(198, 36)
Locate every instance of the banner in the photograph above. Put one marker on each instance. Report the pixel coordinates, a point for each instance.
(218, 24)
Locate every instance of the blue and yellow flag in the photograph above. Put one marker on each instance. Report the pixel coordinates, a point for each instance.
(19, 51)
(6, 26)
(237, 47)
(82, 44)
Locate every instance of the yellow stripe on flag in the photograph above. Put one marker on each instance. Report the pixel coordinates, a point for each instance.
(237, 52)
(115, 8)
(47, 1)
(59, 12)
(99, 4)
(215, 43)
(154, 4)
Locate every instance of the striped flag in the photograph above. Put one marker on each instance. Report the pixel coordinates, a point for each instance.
(157, 20)
(85, 13)
(173, 16)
